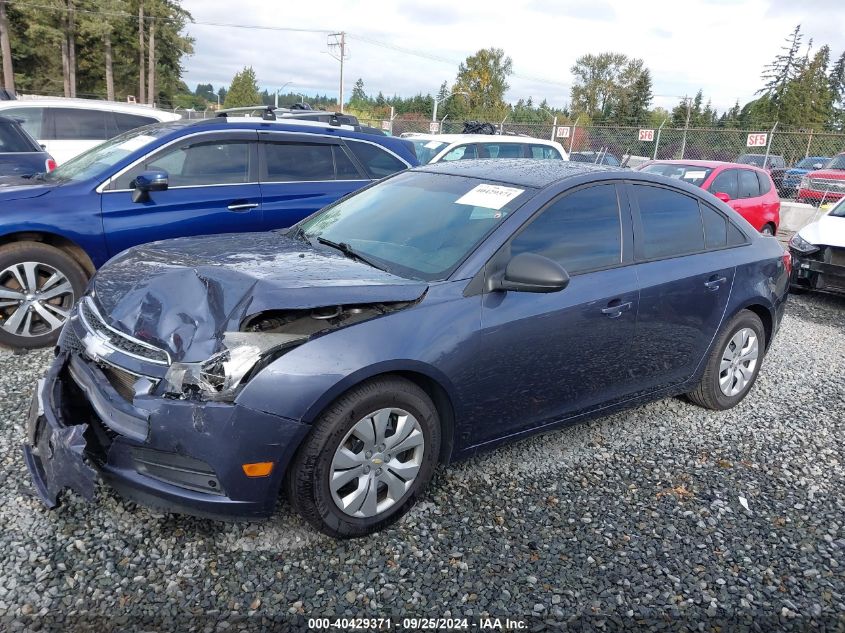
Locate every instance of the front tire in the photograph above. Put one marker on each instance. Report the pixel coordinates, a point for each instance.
(733, 365)
(38, 286)
(367, 459)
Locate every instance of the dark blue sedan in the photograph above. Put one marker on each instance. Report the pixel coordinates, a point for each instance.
(20, 154)
(437, 313)
(167, 180)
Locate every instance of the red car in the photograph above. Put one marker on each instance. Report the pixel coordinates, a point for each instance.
(826, 184)
(746, 189)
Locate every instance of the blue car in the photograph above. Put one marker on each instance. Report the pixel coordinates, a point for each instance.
(792, 176)
(20, 154)
(161, 181)
(440, 312)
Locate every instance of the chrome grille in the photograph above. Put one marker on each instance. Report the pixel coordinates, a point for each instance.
(95, 324)
(827, 184)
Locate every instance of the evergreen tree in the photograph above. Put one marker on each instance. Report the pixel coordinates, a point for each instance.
(782, 70)
(837, 93)
(359, 97)
(244, 90)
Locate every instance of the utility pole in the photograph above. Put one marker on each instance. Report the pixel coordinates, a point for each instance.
(337, 42)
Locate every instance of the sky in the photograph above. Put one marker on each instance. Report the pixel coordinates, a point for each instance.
(407, 47)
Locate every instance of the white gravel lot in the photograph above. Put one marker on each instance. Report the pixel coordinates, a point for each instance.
(634, 520)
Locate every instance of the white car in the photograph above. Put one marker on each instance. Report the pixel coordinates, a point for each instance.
(818, 253)
(434, 148)
(67, 127)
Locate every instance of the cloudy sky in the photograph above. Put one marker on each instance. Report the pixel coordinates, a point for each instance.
(409, 46)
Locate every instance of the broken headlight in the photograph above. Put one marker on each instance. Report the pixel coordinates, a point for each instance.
(798, 243)
(219, 377)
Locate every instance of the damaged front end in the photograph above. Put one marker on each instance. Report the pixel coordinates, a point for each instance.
(54, 453)
(817, 267)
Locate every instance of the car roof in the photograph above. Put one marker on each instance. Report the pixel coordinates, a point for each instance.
(527, 172)
(477, 138)
(91, 104)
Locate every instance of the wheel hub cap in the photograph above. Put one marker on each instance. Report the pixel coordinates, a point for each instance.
(739, 362)
(377, 462)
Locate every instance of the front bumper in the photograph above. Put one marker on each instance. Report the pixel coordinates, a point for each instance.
(823, 271)
(176, 455)
(818, 196)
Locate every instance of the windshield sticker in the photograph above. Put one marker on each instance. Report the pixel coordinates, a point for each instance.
(136, 142)
(694, 175)
(433, 144)
(489, 196)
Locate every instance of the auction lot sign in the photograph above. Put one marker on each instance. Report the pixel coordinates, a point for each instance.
(757, 139)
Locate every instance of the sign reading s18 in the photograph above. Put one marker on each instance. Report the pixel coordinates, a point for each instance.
(646, 135)
(758, 139)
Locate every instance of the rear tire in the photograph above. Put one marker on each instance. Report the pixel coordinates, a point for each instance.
(38, 286)
(768, 229)
(367, 459)
(734, 363)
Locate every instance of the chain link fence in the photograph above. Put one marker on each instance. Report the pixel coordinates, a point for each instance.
(638, 144)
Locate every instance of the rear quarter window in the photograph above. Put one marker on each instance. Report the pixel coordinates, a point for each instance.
(14, 139)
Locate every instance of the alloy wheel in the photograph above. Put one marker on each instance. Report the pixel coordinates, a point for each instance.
(35, 299)
(377, 462)
(739, 362)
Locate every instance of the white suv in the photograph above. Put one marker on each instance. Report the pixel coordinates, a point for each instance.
(67, 127)
(434, 148)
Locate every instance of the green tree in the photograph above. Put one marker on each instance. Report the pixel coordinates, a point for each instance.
(611, 87)
(837, 93)
(483, 77)
(808, 100)
(244, 90)
(782, 70)
(359, 96)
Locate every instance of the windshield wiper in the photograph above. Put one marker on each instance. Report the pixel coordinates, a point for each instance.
(298, 234)
(347, 250)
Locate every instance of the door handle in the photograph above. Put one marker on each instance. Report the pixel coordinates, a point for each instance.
(616, 308)
(243, 206)
(714, 284)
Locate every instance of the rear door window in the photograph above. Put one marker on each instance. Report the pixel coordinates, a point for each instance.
(749, 186)
(505, 150)
(461, 152)
(125, 122)
(297, 162)
(13, 139)
(544, 151)
(376, 161)
(715, 227)
(671, 223)
(77, 124)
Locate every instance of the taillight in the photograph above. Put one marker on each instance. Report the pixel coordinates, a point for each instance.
(787, 262)
(49, 165)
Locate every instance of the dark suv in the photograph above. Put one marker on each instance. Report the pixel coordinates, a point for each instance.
(774, 164)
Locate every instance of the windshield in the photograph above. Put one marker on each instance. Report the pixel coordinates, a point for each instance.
(837, 162)
(692, 174)
(417, 224)
(426, 150)
(838, 211)
(751, 159)
(810, 163)
(101, 158)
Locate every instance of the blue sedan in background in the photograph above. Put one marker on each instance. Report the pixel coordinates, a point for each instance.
(442, 311)
(167, 180)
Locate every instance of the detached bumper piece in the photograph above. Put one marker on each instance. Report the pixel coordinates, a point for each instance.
(54, 453)
(823, 271)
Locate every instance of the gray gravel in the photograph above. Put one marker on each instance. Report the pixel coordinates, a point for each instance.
(639, 517)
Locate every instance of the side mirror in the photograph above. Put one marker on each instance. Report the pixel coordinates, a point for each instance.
(721, 195)
(528, 272)
(147, 181)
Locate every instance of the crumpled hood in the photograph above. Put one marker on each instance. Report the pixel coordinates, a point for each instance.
(183, 294)
(19, 188)
(828, 231)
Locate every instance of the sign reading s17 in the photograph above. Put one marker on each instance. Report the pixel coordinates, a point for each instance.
(562, 132)
(758, 139)
(434, 127)
(647, 135)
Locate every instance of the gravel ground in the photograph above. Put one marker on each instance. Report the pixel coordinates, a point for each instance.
(661, 515)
